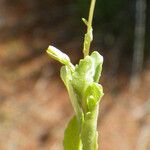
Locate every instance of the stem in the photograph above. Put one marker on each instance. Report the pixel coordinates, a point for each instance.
(90, 19)
(89, 36)
(89, 134)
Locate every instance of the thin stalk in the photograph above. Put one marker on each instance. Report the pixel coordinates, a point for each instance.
(90, 19)
(89, 134)
(89, 36)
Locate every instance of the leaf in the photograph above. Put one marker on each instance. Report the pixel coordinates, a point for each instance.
(85, 21)
(82, 76)
(66, 76)
(97, 60)
(72, 140)
(87, 72)
(58, 55)
(92, 95)
(87, 40)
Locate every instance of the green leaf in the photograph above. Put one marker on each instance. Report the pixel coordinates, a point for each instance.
(93, 95)
(87, 72)
(97, 60)
(58, 55)
(82, 76)
(72, 140)
(66, 76)
(85, 21)
(87, 41)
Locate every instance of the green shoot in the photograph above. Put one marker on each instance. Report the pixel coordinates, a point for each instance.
(89, 35)
(84, 91)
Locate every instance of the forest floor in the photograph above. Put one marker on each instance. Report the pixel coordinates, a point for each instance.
(35, 108)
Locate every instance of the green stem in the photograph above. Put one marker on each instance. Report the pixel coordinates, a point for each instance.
(90, 19)
(88, 36)
(89, 134)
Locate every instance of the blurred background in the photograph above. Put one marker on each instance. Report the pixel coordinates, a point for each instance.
(34, 104)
